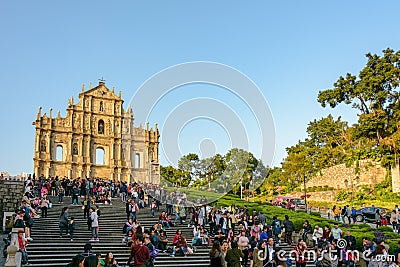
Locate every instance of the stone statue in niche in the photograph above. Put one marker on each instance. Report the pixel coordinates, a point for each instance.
(101, 128)
(75, 150)
(117, 126)
(43, 146)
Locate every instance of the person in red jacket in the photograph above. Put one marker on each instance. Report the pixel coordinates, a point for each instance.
(139, 252)
(21, 246)
(301, 249)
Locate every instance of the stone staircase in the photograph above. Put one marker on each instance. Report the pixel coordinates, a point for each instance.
(48, 249)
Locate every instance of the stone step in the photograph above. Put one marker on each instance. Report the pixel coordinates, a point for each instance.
(49, 250)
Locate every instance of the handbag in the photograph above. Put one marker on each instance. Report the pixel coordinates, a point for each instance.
(83, 207)
(50, 205)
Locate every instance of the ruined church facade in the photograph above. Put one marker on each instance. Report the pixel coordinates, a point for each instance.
(96, 139)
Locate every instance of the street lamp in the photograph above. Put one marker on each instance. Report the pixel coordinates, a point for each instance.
(305, 189)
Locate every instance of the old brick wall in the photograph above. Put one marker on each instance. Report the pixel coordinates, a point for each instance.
(371, 173)
(11, 193)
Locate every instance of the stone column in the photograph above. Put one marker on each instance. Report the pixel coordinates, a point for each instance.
(14, 258)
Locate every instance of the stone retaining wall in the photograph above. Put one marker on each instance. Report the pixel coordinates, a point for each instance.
(371, 173)
(11, 193)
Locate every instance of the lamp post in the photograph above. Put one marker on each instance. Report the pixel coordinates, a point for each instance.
(241, 188)
(298, 176)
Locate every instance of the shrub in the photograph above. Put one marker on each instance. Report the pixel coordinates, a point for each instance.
(316, 214)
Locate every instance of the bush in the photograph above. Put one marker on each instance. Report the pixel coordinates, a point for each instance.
(316, 214)
(386, 229)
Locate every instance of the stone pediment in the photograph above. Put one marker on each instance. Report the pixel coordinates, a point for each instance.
(101, 91)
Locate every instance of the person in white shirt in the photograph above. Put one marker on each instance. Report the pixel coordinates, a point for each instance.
(317, 234)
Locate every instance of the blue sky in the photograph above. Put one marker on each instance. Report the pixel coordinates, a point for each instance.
(290, 49)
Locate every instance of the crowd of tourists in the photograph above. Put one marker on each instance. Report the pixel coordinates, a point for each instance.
(238, 237)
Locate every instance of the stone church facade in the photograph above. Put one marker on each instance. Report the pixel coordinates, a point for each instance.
(96, 139)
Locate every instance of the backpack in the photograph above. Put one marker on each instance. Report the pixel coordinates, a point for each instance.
(154, 253)
(124, 228)
(19, 223)
(277, 227)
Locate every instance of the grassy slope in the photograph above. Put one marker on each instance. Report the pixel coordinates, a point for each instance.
(298, 217)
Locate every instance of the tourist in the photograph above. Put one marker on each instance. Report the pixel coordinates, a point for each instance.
(224, 250)
(317, 235)
(19, 219)
(22, 242)
(182, 213)
(336, 232)
(44, 205)
(61, 192)
(258, 255)
(128, 208)
(162, 241)
(196, 235)
(224, 222)
(124, 191)
(86, 207)
(153, 207)
(380, 257)
(181, 246)
(30, 213)
(176, 237)
(233, 256)
(71, 227)
(336, 213)
(354, 214)
(306, 230)
(243, 245)
(351, 241)
(343, 213)
(276, 228)
(91, 261)
(128, 226)
(109, 260)
(289, 228)
(153, 252)
(94, 217)
(215, 255)
(300, 250)
(101, 262)
(77, 261)
(326, 234)
(163, 220)
(139, 252)
(264, 234)
(219, 236)
(63, 221)
(176, 212)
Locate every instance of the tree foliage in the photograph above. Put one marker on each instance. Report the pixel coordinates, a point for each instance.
(220, 173)
(374, 93)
